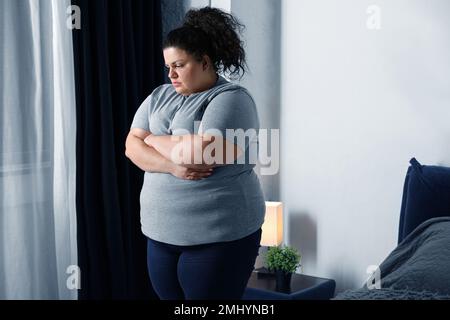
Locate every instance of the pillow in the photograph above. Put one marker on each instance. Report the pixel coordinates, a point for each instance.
(426, 194)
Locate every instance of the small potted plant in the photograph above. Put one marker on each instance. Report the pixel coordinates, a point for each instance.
(283, 261)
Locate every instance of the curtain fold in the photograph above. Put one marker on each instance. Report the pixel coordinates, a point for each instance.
(118, 62)
(64, 159)
(37, 154)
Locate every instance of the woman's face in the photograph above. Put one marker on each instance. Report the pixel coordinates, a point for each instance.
(187, 74)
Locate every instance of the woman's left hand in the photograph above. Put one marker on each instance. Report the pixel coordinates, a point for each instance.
(147, 140)
(200, 166)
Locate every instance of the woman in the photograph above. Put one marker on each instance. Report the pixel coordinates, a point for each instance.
(201, 208)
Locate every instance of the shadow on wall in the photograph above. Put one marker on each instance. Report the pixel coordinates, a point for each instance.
(347, 276)
(303, 236)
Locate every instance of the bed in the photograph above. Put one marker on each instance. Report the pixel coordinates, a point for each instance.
(419, 267)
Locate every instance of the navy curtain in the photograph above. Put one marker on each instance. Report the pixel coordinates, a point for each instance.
(118, 62)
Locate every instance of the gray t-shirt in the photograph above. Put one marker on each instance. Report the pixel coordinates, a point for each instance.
(226, 206)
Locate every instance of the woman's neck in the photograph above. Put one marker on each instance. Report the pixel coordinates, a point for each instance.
(211, 82)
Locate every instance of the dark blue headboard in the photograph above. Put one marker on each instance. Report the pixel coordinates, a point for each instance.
(426, 194)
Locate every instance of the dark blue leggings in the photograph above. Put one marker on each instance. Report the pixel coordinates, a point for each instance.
(208, 271)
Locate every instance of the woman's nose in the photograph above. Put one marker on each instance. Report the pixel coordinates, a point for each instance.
(172, 74)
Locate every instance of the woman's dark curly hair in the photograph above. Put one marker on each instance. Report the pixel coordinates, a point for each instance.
(212, 32)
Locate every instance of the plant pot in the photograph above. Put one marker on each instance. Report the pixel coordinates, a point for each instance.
(283, 281)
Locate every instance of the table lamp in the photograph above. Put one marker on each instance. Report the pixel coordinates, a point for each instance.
(272, 232)
(272, 229)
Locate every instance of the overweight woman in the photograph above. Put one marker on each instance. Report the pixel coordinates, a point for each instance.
(202, 206)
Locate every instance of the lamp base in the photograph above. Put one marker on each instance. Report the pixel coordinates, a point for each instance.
(263, 272)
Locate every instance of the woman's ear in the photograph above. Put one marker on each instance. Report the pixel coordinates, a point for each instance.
(206, 63)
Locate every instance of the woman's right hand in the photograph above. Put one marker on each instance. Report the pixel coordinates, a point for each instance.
(191, 173)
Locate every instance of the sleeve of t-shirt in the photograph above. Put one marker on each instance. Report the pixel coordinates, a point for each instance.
(233, 110)
(141, 117)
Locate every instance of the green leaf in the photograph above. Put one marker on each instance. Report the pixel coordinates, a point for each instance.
(283, 258)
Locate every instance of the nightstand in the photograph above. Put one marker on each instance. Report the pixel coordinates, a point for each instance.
(261, 286)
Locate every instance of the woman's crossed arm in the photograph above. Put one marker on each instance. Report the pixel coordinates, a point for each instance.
(149, 159)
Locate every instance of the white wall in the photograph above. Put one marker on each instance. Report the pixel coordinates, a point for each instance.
(356, 105)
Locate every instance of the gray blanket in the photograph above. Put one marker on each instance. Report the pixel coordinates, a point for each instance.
(419, 268)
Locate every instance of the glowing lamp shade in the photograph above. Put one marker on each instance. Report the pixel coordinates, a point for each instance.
(272, 229)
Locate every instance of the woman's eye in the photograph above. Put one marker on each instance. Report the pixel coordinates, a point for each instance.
(175, 67)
